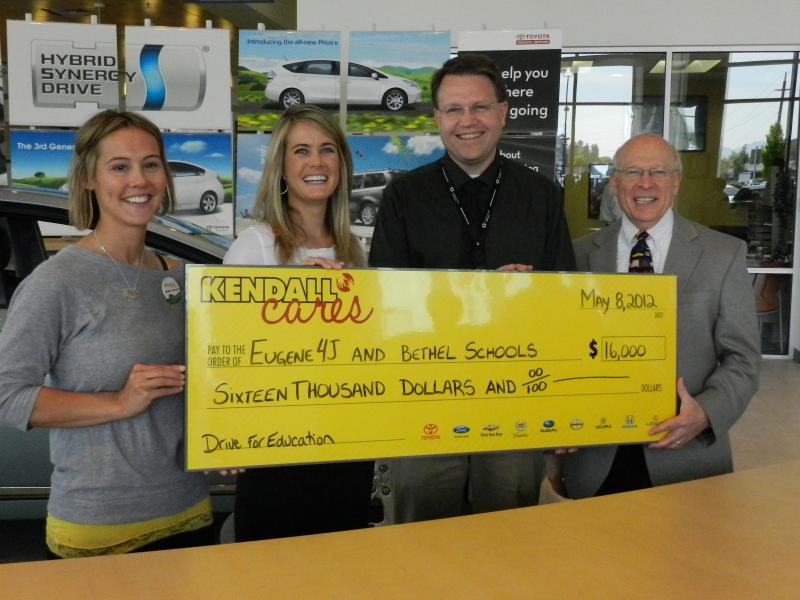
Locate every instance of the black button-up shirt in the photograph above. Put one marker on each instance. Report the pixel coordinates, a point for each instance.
(420, 226)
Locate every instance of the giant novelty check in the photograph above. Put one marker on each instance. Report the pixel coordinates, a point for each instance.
(294, 365)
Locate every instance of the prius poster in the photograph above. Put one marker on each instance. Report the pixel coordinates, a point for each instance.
(295, 365)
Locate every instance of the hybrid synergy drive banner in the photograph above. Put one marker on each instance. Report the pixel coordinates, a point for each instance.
(295, 365)
(64, 73)
(61, 74)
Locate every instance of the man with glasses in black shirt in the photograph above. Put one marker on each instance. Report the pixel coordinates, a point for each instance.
(471, 210)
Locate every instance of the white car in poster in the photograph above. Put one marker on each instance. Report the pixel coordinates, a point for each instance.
(196, 187)
(318, 81)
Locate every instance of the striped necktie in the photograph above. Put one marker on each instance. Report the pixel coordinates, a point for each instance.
(641, 258)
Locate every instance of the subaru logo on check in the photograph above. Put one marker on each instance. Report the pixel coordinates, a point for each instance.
(461, 429)
(549, 423)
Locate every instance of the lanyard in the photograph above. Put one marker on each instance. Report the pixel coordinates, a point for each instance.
(484, 225)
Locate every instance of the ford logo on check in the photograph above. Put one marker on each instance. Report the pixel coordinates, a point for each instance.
(461, 429)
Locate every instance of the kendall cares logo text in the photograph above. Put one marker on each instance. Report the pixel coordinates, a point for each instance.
(290, 300)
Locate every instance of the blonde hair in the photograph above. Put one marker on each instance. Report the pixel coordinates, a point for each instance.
(83, 209)
(272, 205)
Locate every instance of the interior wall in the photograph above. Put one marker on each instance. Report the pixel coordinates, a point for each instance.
(583, 22)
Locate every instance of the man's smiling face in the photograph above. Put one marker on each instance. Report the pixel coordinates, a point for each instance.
(471, 140)
(646, 180)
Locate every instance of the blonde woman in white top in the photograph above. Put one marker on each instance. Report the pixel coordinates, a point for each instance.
(302, 214)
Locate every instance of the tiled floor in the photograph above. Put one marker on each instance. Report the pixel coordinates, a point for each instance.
(768, 433)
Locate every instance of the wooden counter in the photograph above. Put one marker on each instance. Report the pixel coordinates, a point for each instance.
(735, 536)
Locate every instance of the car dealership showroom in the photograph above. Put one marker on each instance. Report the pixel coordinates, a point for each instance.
(289, 367)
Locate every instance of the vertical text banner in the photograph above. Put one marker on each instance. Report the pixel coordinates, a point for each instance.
(294, 365)
(530, 63)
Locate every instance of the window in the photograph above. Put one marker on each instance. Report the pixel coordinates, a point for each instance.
(733, 114)
(182, 169)
(752, 103)
(604, 99)
(375, 180)
(319, 67)
(355, 70)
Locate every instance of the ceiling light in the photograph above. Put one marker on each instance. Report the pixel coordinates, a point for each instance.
(702, 66)
(695, 66)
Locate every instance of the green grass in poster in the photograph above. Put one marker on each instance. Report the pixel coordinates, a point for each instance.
(422, 77)
(50, 183)
(367, 122)
(253, 116)
(250, 87)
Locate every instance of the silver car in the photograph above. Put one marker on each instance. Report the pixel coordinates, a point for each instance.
(367, 193)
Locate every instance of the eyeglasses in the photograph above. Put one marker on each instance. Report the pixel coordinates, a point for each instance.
(656, 174)
(476, 110)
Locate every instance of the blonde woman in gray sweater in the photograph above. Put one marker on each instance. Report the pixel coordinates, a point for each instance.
(93, 350)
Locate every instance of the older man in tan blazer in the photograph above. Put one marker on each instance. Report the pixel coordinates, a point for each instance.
(718, 341)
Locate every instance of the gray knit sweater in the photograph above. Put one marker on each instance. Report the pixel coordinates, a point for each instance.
(69, 321)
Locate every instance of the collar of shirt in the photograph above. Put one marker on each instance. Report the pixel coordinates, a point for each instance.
(658, 240)
(458, 177)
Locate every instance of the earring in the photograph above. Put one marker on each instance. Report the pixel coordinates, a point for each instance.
(284, 186)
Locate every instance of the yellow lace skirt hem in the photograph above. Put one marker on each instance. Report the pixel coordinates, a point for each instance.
(75, 540)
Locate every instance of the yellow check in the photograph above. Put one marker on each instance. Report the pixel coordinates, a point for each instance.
(295, 365)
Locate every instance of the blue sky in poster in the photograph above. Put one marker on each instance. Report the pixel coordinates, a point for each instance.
(397, 153)
(51, 151)
(210, 150)
(370, 153)
(263, 50)
(412, 49)
(250, 155)
(47, 151)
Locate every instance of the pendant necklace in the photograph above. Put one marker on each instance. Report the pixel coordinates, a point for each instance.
(129, 291)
